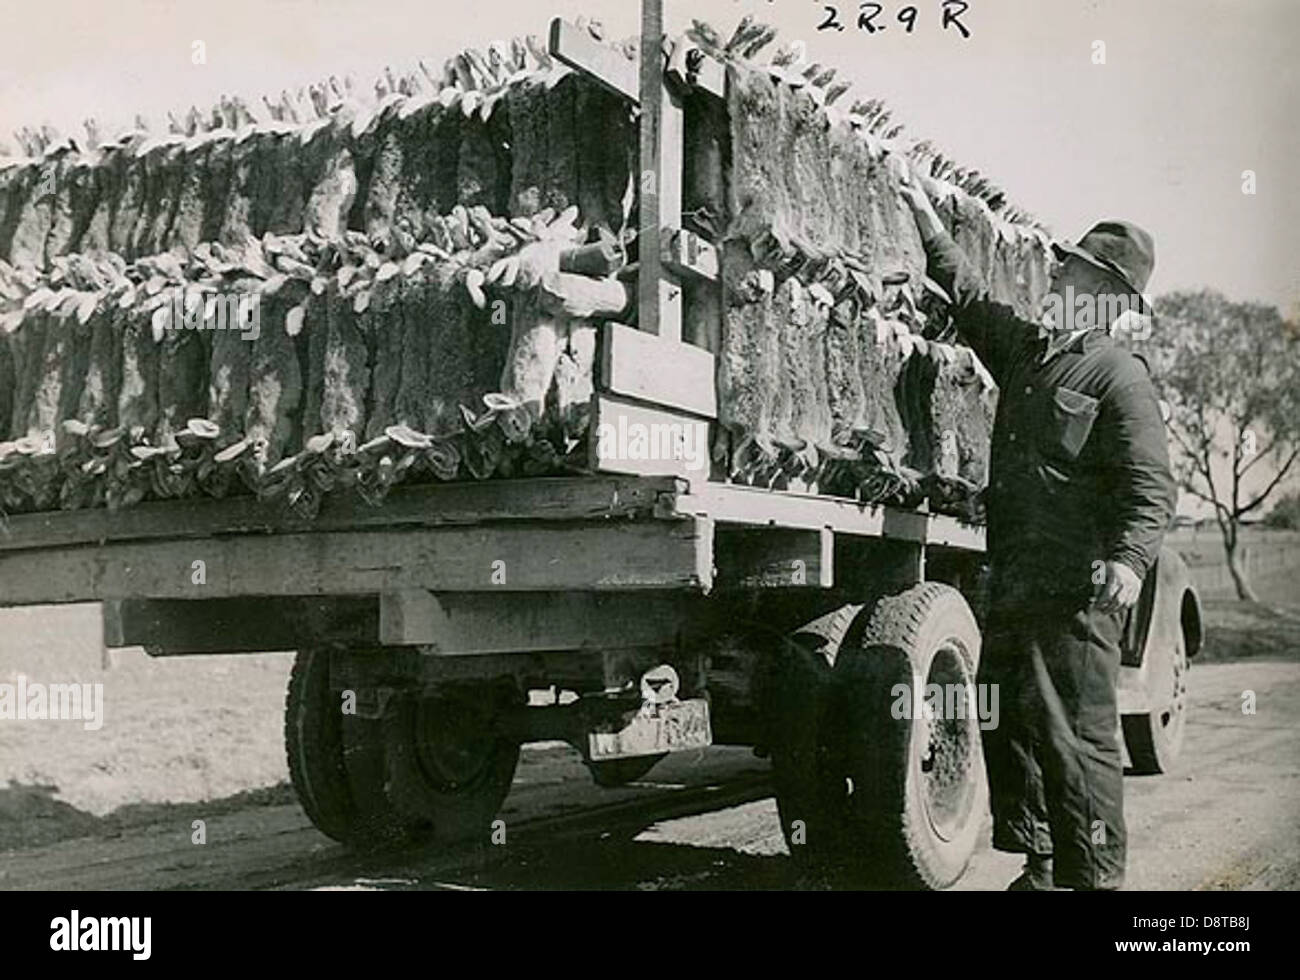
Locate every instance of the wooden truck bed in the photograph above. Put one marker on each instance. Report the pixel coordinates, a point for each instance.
(604, 533)
(424, 568)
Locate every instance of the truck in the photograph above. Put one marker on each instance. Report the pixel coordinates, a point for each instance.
(664, 610)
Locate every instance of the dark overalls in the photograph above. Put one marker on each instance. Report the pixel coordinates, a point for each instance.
(1079, 476)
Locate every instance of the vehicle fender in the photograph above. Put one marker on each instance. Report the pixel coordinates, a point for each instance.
(1167, 605)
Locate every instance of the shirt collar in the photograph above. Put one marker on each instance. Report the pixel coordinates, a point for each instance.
(1058, 341)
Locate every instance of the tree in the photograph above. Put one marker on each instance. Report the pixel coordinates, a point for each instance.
(1230, 375)
(1285, 513)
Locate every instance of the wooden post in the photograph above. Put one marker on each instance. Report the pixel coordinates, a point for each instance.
(659, 291)
(665, 377)
(109, 623)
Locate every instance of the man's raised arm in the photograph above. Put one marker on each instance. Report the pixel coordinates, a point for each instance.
(991, 329)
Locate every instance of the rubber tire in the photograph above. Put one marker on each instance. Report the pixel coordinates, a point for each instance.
(337, 763)
(381, 824)
(462, 813)
(847, 775)
(619, 772)
(313, 741)
(889, 827)
(795, 695)
(1153, 744)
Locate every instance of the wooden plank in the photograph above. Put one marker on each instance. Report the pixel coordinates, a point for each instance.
(915, 567)
(409, 617)
(653, 369)
(451, 624)
(728, 504)
(933, 529)
(659, 296)
(603, 62)
(628, 437)
(687, 254)
(826, 560)
(906, 525)
(754, 558)
(620, 74)
(753, 506)
(705, 570)
(431, 505)
(516, 557)
(410, 664)
(668, 306)
(690, 69)
(244, 625)
(946, 531)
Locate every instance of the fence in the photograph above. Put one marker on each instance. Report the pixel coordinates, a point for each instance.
(1263, 554)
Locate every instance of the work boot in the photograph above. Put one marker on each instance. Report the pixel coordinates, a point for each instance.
(1037, 876)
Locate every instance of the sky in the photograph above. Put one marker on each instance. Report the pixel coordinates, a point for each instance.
(1191, 93)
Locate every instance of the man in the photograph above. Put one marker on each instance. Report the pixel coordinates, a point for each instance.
(1079, 499)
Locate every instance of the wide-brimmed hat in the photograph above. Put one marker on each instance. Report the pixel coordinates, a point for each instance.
(1120, 248)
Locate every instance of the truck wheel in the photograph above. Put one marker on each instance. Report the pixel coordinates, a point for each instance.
(336, 762)
(313, 740)
(917, 793)
(448, 764)
(620, 772)
(794, 691)
(1154, 739)
(871, 795)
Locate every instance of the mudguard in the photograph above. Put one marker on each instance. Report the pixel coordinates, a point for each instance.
(1168, 603)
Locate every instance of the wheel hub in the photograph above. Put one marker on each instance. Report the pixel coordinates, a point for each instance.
(454, 741)
(949, 748)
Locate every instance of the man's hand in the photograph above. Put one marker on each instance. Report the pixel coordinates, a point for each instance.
(1120, 590)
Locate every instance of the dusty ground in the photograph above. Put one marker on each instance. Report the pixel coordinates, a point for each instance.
(200, 739)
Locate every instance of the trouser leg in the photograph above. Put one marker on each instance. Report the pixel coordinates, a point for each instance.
(1016, 791)
(1074, 665)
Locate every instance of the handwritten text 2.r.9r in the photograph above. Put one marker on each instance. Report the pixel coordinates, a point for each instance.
(872, 17)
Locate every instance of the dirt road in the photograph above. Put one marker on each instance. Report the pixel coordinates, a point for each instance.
(1227, 820)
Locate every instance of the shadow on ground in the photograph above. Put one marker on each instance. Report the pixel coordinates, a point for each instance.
(619, 863)
(31, 816)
